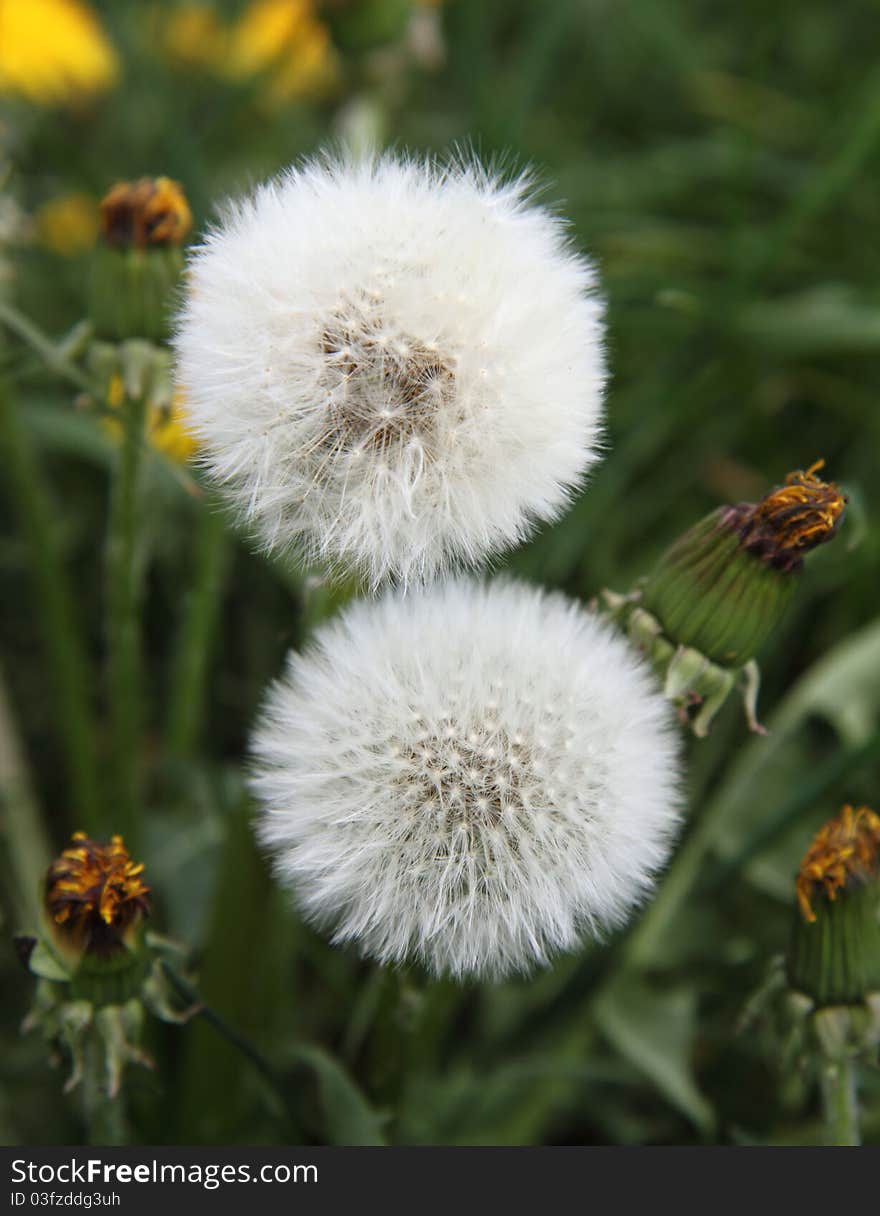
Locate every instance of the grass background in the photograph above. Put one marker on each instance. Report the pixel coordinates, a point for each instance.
(722, 165)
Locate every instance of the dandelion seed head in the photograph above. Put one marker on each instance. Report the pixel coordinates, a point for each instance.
(475, 776)
(395, 367)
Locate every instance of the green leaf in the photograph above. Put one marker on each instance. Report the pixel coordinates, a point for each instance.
(350, 1118)
(829, 319)
(655, 1031)
(843, 688)
(70, 432)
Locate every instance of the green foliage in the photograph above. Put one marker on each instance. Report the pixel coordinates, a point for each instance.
(723, 170)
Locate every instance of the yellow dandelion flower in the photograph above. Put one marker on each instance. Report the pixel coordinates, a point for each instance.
(194, 37)
(53, 51)
(286, 38)
(169, 432)
(167, 426)
(68, 225)
(309, 70)
(264, 32)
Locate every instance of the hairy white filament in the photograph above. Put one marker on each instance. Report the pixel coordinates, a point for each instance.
(393, 367)
(472, 775)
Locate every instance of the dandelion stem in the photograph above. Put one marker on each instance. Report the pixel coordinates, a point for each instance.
(840, 1102)
(26, 843)
(104, 1114)
(124, 594)
(30, 495)
(197, 634)
(242, 1044)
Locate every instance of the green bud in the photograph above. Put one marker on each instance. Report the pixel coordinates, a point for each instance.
(723, 587)
(834, 953)
(133, 292)
(715, 597)
(138, 264)
(97, 968)
(836, 958)
(718, 593)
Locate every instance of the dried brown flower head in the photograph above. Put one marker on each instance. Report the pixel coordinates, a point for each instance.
(95, 894)
(845, 850)
(791, 520)
(148, 212)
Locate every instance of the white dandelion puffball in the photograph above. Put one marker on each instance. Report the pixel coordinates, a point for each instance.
(471, 775)
(394, 367)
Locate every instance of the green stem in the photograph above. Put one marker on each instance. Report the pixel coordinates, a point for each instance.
(124, 595)
(25, 839)
(840, 1101)
(39, 518)
(250, 985)
(198, 634)
(105, 1117)
(54, 358)
(239, 1041)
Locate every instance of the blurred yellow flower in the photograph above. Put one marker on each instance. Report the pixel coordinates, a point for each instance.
(68, 224)
(53, 51)
(286, 38)
(167, 426)
(169, 433)
(194, 37)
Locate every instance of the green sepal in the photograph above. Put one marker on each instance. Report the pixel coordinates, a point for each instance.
(695, 685)
(713, 596)
(113, 980)
(119, 1028)
(133, 291)
(44, 964)
(835, 960)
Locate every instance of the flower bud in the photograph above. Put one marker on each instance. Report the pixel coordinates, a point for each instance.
(137, 371)
(834, 954)
(139, 260)
(718, 593)
(96, 966)
(723, 586)
(96, 902)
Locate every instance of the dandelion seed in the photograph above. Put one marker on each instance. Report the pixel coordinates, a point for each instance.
(332, 346)
(517, 859)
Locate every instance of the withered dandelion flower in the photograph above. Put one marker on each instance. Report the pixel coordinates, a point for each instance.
(791, 520)
(844, 851)
(151, 211)
(95, 895)
(717, 594)
(834, 953)
(139, 260)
